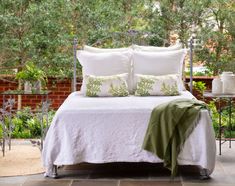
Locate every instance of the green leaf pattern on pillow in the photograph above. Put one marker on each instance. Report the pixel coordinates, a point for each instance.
(119, 90)
(170, 90)
(144, 86)
(166, 85)
(93, 86)
(114, 85)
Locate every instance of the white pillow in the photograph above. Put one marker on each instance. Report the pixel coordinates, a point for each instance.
(101, 50)
(115, 85)
(104, 64)
(158, 63)
(166, 85)
(177, 46)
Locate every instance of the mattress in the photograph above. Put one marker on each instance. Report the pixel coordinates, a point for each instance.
(112, 129)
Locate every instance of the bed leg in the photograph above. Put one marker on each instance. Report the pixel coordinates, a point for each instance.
(54, 173)
(204, 174)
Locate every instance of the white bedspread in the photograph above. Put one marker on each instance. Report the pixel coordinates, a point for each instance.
(112, 129)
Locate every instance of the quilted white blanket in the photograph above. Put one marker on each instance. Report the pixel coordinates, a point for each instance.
(112, 129)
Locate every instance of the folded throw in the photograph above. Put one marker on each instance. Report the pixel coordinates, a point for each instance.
(169, 126)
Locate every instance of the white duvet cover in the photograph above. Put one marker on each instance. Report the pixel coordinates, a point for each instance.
(112, 129)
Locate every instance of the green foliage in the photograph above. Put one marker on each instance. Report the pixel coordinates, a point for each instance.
(26, 124)
(204, 73)
(31, 73)
(1, 131)
(218, 52)
(199, 86)
(224, 119)
(177, 17)
(42, 31)
(212, 21)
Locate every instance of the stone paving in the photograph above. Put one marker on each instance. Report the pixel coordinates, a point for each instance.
(133, 174)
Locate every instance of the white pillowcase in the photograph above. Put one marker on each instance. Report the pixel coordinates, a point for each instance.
(104, 64)
(177, 46)
(166, 85)
(115, 85)
(101, 50)
(158, 63)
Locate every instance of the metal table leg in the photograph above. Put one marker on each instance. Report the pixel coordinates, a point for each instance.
(44, 112)
(42, 128)
(230, 122)
(3, 127)
(10, 124)
(6, 112)
(220, 126)
(47, 122)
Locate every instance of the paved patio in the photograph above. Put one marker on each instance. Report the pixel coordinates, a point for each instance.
(129, 174)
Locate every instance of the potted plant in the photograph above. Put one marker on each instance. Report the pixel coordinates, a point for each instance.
(32, 77)
(198, 88)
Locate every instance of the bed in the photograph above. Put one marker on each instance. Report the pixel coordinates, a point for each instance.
(112, 129)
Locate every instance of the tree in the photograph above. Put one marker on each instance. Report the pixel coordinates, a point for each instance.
(179, 17)
(43, 31)
(218, 36)
(212, 21)
(14, 41)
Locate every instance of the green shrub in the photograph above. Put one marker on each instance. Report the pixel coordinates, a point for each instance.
(224, 119)
(27, 124)
(0, 131)
(199, 86)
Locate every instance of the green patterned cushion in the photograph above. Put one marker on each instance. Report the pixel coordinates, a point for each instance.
(115, 85)
(148, 85)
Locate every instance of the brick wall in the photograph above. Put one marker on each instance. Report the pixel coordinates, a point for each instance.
(60, 90)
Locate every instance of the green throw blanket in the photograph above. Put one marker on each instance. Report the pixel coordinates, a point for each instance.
(169, 126)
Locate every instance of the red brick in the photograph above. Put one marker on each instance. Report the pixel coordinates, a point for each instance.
(60, 90)
(35, 100)
(67, 85)
(65, 89)
(60, 93)
(53, 96)
(63, 97)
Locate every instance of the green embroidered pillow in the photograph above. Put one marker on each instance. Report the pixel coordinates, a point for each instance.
(115, 85)
(166, 85)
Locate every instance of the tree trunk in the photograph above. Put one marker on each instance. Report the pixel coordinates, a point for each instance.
(19, 102)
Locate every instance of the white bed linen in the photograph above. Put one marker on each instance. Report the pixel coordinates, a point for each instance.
(112, 129)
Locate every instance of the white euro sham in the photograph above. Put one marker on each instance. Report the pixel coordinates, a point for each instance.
(177, 46)
(104, 64)
(103, 50)
(158, 63)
